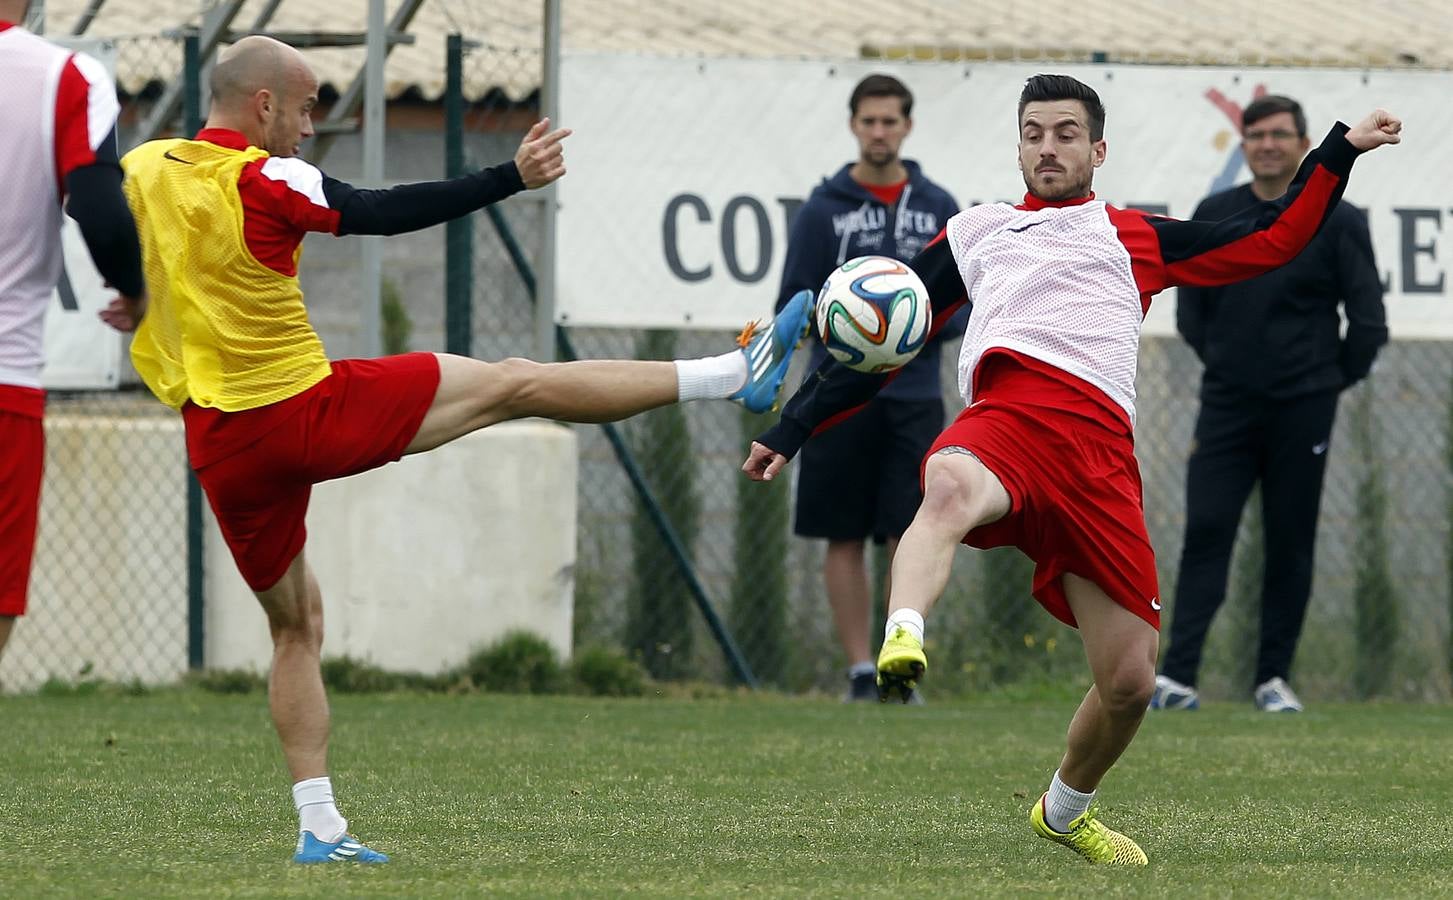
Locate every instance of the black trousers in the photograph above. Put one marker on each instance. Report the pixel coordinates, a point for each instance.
(1283, 444)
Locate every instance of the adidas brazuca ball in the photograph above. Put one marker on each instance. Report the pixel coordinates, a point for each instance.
(873, 314)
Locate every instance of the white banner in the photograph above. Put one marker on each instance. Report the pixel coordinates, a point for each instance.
(684, 173)
(80, 352)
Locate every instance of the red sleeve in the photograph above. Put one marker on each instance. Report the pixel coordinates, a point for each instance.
(85, 114)
(282, 200)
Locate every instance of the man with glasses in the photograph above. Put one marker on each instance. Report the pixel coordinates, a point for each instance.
(1275, 363)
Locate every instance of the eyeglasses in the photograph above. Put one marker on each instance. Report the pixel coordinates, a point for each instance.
(1279, 134)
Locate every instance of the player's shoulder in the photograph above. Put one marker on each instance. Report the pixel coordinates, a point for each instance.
(148, 153)
(294, 172)
(91, 69)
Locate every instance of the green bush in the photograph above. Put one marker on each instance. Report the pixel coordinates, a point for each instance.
(228, 681)
(519, 663)
(606, 672)
(347, 675)
(395, 324)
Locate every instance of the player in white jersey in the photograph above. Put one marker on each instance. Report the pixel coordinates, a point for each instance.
(1043, 457)
(57, 147)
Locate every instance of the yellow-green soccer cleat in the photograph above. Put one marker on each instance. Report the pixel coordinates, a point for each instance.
(1089, 837)
(900, 664)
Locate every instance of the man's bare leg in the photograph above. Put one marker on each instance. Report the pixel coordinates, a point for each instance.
(474, 394)
(849, 593)
(299, 706)
(959, 495)
(1121, 648)
(6, 624)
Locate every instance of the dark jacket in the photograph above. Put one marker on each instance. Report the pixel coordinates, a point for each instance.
(1279, 335)
(841, 220)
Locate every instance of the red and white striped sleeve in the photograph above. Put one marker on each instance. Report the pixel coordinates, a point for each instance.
(85, 116)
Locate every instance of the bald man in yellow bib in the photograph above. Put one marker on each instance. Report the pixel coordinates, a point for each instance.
(227, 342)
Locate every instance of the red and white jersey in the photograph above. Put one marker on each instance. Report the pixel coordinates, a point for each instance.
(56, 107)
(1069, 283)
(1054, 283)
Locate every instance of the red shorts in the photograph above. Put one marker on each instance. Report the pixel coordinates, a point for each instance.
(21, 465)
(1076, 499)
(361, 417)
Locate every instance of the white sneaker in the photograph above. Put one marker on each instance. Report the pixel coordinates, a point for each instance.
(1276, 696)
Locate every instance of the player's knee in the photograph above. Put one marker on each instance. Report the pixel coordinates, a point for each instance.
(516, 382)
(1126, 693)
(294, 623)
(952, 494)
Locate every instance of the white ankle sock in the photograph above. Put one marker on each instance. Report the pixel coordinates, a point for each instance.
(317, 813)
(1063, 804)
(910, 620)
(712, 377)
(862, 667)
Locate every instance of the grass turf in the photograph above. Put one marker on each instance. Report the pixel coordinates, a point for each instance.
(183, 794)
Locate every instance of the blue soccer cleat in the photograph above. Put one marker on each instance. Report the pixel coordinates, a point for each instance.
(345, 849)
(769, 351)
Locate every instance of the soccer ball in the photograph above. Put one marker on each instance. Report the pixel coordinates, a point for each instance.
(872, 314)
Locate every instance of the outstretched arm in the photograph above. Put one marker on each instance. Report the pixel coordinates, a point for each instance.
(834, 392)
(1271, 234)
(539, 160)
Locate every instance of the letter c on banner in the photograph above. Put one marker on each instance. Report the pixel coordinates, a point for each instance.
(669, 237)
(729, 239)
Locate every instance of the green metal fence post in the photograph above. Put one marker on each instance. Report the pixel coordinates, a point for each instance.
(196, 595)
(458, 233)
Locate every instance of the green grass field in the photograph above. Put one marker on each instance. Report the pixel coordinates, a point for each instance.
(183, 794)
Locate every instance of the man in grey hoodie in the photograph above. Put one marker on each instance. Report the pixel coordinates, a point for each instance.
(860, 479)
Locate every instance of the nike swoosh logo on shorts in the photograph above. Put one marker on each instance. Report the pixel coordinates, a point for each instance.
(168, 155)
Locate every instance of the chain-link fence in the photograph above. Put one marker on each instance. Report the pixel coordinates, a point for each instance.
(1379, 619)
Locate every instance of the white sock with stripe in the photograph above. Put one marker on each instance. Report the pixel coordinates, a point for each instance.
(317, 813)
(910, 620)
(1063, 804)
(710, 378)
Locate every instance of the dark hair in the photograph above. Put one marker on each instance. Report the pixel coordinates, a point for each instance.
(882, 86)
(1270, 105)
(1042, 88)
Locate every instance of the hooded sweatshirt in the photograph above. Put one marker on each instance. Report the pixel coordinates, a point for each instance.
(841, 220)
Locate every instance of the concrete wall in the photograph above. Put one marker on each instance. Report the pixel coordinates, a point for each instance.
(421, 561)
(427, 559)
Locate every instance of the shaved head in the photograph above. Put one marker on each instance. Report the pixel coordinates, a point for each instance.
(264, 89)
(255, 63)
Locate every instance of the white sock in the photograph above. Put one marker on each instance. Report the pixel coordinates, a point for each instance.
(862, 667)
(712, 377)
(910, 620)
(316, 810)
(1063, 804)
